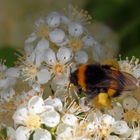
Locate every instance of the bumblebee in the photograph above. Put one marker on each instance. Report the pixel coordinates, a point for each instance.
(102, 82)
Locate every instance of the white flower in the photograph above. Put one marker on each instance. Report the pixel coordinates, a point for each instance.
(43, 29)
(8, 78)
(59, 63)
(32, 116)
(104, 125)
(131, 66)
(33, 72)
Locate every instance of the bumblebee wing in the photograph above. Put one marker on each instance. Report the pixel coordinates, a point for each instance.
(118, 80)
(130, 82)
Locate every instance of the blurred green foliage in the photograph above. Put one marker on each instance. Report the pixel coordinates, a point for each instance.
(8, 54)
(123, 16)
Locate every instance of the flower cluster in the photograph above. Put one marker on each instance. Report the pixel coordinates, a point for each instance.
(39, 101)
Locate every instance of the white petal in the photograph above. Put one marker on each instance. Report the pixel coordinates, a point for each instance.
(107, 119)
(64, 54)
(65, 20)
(50, 57)
(138, 109)
(32, 57)
(98, 53)
(7, 94)
(36, 105)
(136, 134)
(39, 58)
(75, 29)
(31, 38)
(88, 41)
(4, 83)
(39, 22)
(82, 104)
(12, 72)
(36, 87)
(11, 133)
(56, 103)
(81, 57)
(3, 67)
(41, 134)
(11, 81)
(28, 48)
(130, 103)
(136, 73)
(112, 138)
(61, 94)
(42, 45)
(57, 35)
(69, 119)
(20, 115)
(23, 133)
(120, 128)
(63, 128)
(91, 127)
(43, 76)
(49, 108)
(59, 82)
(64, 42)
(51, 118)
(53, 19)
(117, 112)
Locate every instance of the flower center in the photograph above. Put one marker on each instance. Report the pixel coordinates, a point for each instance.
(43, 31)
(131, 116)
(33, 70)
(104, 130)
(58, 69)
(33, 122)
(75, 44)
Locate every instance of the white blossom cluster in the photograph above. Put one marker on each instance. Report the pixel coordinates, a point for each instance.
(36, 95)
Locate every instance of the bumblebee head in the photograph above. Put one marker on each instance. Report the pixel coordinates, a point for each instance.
(74, 78)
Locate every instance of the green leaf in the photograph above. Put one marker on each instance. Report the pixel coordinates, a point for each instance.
(8, 54)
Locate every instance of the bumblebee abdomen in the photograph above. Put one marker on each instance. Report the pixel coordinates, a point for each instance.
(81, 75)
(90, 75)
(94, 74)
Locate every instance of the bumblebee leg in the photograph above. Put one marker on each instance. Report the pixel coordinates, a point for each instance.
(92, 93)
